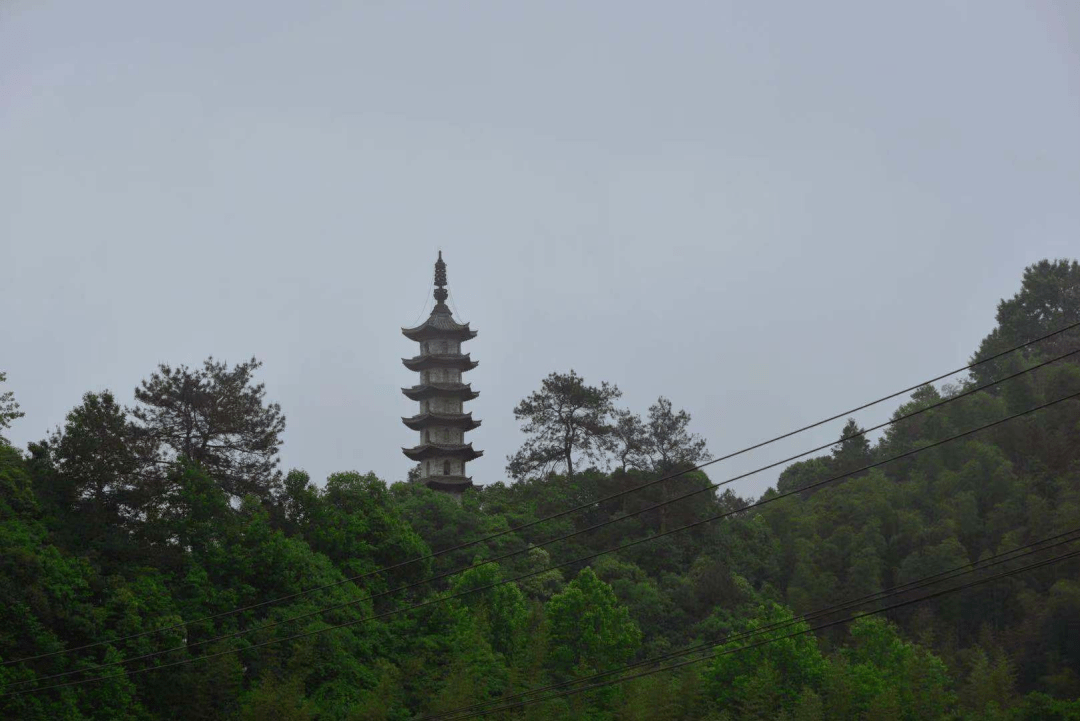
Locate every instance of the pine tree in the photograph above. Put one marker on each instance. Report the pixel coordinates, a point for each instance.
(564, 419)
(216, 417)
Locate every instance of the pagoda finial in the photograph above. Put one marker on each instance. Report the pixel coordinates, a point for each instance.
(440, 279)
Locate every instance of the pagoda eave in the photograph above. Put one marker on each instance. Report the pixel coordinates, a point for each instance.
(463, 421)
(454, 484)
(440, 324)
(445, 390)
(426, 332)
(448, 360)
(438, 450)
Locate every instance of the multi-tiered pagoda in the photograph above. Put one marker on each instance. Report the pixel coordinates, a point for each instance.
(442, 420)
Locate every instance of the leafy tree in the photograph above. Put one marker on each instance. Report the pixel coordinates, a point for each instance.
(1039, 706)
(98, 463)
(278, 699)
(804, 473)
(383, 701)
(891, 673)
(46, 603)
(440, 521)
(650, 605)
(9, 407)
(1049, 298)
(298, 501)
(191, 513)
(217, 417)
(764, 681)
(852, 450)
(17, 500)
(564, 419)
(990, 685)
(541, 586)
(356, 525)
(589, 630)
(653, 698)
(501, 610)
(931, 425)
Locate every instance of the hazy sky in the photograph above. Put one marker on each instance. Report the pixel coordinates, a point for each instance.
(768, 212)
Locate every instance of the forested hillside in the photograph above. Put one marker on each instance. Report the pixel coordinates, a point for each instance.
(155, 563)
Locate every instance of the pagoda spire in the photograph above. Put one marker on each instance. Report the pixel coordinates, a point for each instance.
(442, 421)
(440, 279)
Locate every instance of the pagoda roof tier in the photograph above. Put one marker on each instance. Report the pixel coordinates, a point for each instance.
(463, 421)
(423, 392)
(458, 451)
(448, 483)
(440, 360)
(439, 325)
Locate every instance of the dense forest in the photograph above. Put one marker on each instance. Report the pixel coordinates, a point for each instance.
(131, 534)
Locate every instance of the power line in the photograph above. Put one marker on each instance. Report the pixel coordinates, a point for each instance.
(427, 299)
(496, 559)
(855, 617)
(453, 305)
(585, 506)
(306, 634)
(980, 565)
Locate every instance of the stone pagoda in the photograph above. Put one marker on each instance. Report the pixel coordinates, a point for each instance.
(442, 421)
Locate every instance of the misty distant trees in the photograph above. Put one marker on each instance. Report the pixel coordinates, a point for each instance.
(568, 421)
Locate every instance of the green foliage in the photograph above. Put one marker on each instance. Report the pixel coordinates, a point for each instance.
(990, 685)
(500, 611)
(1047, 300)
(98, 467)
(763, 681)
(887, 672)
(354, 523)
(1038, 706)
(589, 630)
(9, 407)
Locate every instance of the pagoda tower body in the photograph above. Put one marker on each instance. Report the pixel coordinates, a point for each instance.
(442, 421)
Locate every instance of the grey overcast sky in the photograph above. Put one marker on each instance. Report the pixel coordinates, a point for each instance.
(768, 212)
